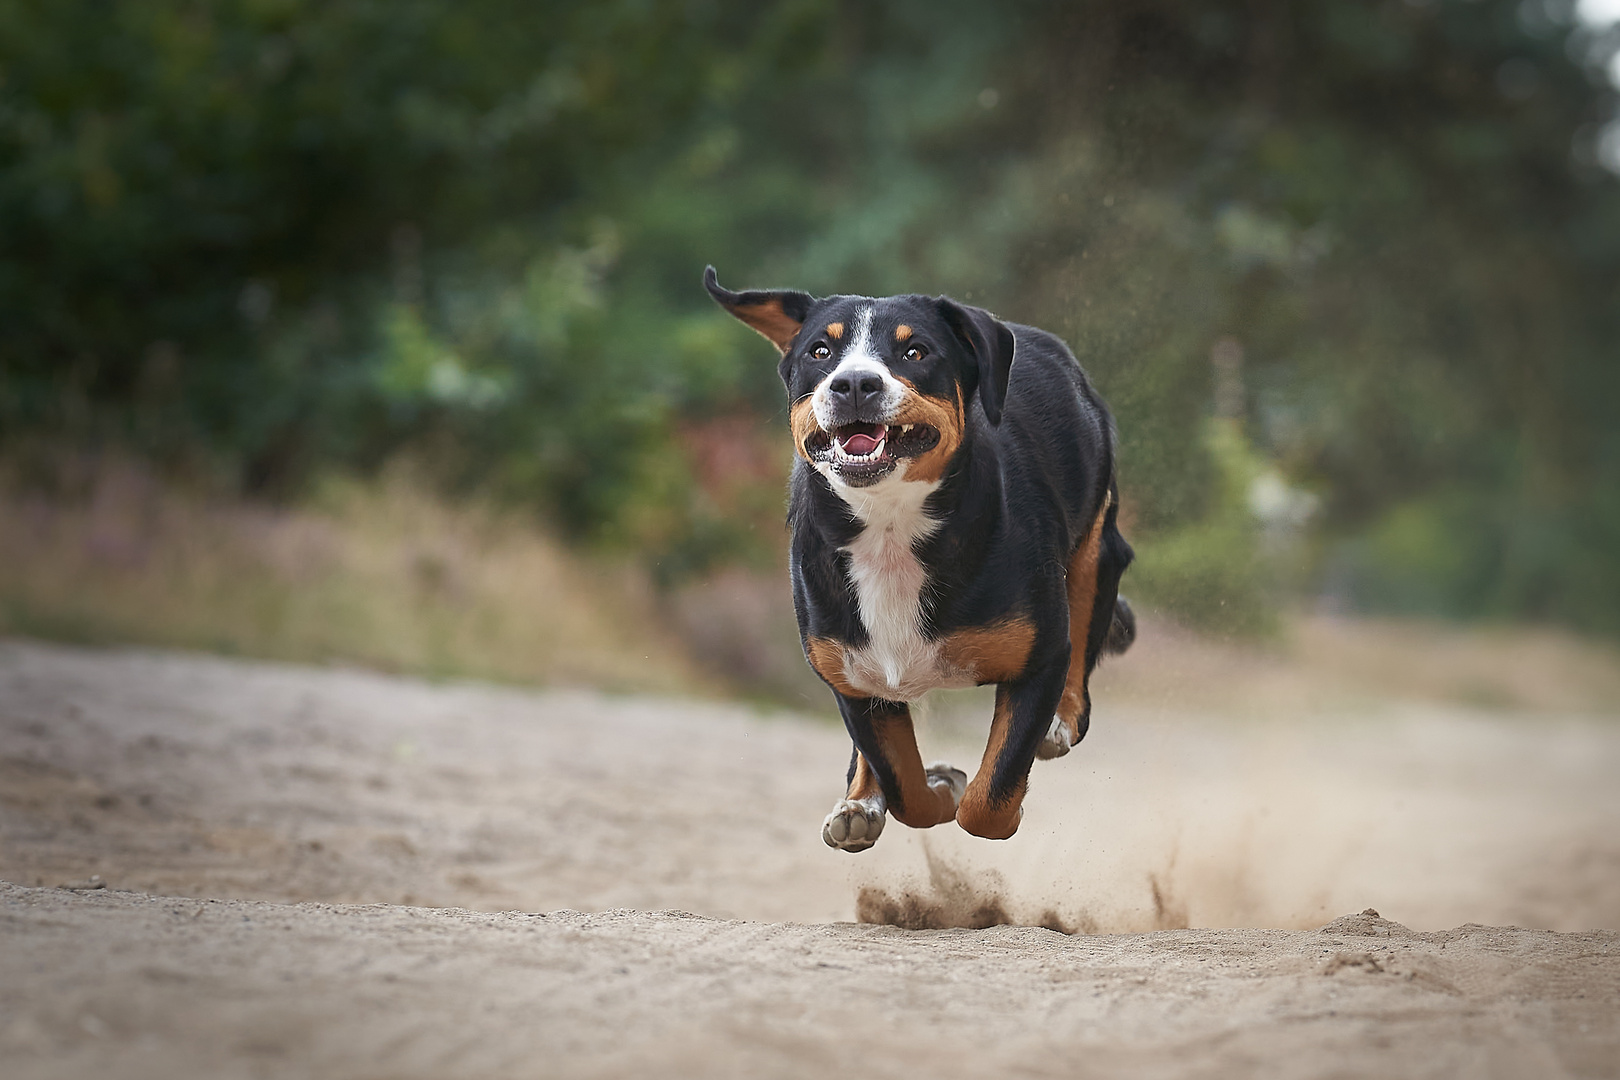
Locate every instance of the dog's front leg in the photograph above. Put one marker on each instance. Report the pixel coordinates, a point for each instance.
(994, 802)
(887, 774)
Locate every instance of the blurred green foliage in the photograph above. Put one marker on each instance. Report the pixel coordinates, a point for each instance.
(1221, 571)
(268, 239)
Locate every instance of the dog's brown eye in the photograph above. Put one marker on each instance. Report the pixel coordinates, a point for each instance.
(916, 353)
(820, 351)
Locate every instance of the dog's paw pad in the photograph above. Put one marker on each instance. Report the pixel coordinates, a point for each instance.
(940, 774)
(854, 824)
(1056, 743)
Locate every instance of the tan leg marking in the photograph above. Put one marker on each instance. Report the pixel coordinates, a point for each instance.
(927, 797)
(865, 783)
(857, 819)
(995, 653)
(926, 804)
(1082, 598)
(826, 657)
(978, 814)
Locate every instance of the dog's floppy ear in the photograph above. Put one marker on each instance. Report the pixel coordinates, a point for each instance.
(776, 313)
(991, 344)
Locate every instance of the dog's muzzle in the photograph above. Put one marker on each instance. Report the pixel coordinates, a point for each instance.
(864, 452)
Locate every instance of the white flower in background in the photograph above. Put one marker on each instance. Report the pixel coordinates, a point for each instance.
(1275, 504)
(1598, 13)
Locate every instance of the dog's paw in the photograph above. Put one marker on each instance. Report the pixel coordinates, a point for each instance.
(1056, 743)
(855, 824)
(948, 776)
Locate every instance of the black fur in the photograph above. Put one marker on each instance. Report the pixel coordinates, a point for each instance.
(1034, 469)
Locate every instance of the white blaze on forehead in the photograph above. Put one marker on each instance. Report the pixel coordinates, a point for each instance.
(859, 360)
(860, 345)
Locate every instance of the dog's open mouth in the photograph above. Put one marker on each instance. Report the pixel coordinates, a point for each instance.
(863, 453)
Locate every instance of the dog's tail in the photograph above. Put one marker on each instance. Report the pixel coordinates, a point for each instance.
(1122, 629)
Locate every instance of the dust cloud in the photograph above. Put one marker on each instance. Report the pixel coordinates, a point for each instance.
(1163, 820)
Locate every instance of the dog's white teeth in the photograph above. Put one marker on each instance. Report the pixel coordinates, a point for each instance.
(872, 455)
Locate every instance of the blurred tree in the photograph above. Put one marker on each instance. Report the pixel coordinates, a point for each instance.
(287, 237)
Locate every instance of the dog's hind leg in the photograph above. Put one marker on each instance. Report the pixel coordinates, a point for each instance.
(1098, 622)
(993, 806)
(887, 774)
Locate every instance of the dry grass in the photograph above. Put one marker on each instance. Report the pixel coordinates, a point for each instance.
(1328, 663)
(388, 577)
(383, 576)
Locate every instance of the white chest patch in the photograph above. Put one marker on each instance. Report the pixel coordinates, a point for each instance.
(897, 663)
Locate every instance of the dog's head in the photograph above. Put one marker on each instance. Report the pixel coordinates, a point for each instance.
(879, 386)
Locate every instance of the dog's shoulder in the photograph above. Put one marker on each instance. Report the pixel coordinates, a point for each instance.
(1048, 386)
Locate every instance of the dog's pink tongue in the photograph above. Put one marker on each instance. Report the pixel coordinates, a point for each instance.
(860, 445)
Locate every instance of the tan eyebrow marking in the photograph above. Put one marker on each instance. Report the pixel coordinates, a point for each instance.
(835, 330)
(902, 332)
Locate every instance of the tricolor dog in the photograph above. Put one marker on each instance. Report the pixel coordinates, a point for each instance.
(953, 513)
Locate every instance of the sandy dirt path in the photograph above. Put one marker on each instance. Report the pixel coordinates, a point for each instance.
(119, 984)
(277, 798)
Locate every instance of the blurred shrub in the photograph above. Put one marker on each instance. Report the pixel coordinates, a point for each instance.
(1482, 555)
(1218, 572)
(273, 239)
(1211, 574)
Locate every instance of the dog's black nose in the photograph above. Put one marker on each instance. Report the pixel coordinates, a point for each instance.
(853, 391)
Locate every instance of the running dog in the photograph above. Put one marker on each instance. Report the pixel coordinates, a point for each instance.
(953, 512)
